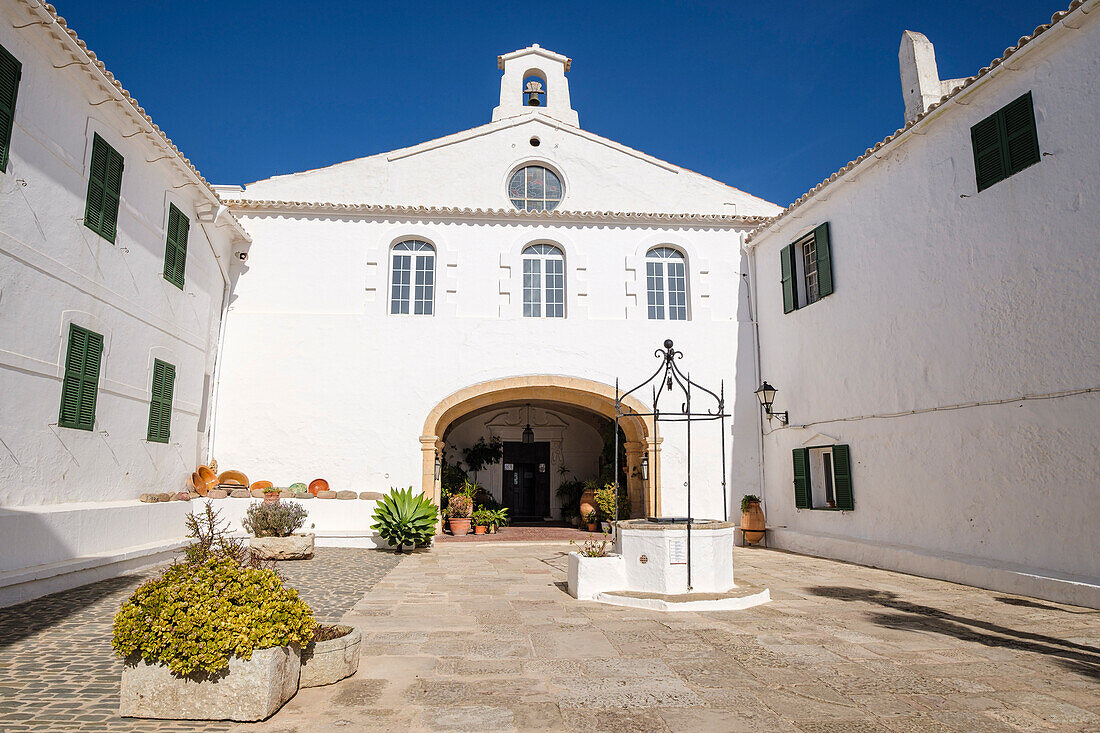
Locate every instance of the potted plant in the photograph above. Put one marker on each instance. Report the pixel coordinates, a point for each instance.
(605, 504)
(500, 519)
(594, 569)
(459, 510)
(237, 657)
(272, 526)
(752, 519)
(271, 495)
(406, 519)
(590, 520)
(482, 519)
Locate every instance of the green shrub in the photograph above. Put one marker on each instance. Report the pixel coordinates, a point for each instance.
(483, 518)
(748, 499)
(196, 616)
(404, 518)
(605, 502)
(275, 519)
(460, 506)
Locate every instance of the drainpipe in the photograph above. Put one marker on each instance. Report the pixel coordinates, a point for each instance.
(750, 253)
(215, 381)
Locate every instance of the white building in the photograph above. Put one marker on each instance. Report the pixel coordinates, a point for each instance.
(931, 328)
(414, 301)
(115, 267)
(941, 369)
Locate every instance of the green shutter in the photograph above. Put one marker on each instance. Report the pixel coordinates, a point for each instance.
(786, 264)
(802, 478)
(10, 72)
(175, 249)
(842, 477)
(1021, 136)
(104, 189)
(81, 381)
(824, 261)
(1006, 142)
(160, 403)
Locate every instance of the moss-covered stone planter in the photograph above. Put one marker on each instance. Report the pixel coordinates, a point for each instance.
(252, 689)
(326, 662)
(294, 547)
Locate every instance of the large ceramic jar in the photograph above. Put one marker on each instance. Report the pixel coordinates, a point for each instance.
(588, 503)
(752, 522)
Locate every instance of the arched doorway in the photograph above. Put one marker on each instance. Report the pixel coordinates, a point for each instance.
(553, 395)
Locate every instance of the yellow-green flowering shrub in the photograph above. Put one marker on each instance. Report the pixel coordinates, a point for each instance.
(196, 616)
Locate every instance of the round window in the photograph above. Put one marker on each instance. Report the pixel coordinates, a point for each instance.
(534, 188)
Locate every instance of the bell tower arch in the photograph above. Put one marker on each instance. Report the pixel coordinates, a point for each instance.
(534, 80)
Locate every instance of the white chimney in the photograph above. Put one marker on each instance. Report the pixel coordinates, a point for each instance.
(921, 86)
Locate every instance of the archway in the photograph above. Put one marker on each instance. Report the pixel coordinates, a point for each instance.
(595, 397)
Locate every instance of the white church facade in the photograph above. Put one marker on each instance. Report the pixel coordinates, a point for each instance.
(928, 320)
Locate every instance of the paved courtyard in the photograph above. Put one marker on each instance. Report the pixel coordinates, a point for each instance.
(483, 637)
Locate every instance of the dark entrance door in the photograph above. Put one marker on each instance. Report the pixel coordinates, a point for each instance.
(526, 480)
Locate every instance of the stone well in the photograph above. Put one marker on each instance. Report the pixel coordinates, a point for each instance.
(656, 555)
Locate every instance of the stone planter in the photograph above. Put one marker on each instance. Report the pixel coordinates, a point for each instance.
(253, 689)
(294, 547)
(331, 661)
(589, 576)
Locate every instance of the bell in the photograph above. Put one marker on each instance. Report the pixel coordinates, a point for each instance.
(533, 92)
(533, 99)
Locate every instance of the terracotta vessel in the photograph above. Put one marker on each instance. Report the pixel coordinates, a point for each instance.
(261, 485)
(460, 526)
(233, 477)
(203, 480)
(271, 497)
(588, 502)
(592, 526)
(752, 523)
(480, 530)
(317, 484)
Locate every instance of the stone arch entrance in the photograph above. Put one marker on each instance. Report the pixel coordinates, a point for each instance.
(595, 397)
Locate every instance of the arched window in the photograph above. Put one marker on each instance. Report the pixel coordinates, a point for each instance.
(666, 284)
(543, 282)
(413, 278)
(535, 188)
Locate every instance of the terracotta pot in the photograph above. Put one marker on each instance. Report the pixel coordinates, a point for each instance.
(752, 523)
(317, 484)
(261, 485)
(271, 498)
(203, 479)
(588, 502)
(233, 477)
(460, 526)
(591, 526)
(480, 530)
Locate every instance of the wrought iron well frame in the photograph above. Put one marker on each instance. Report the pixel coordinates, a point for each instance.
(668, 378)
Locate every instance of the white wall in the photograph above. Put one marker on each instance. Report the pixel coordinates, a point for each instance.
(943, 296)
(54, 270)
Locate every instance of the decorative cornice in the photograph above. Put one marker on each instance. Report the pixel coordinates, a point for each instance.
(96, 68)
(455, 212)
(965, 83)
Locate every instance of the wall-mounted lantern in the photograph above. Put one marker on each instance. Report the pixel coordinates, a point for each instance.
(766, 394)
(645, 467)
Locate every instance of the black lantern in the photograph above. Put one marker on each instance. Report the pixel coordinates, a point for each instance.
(766, 394)
(645, 467)
(438, 466)
(528, 433)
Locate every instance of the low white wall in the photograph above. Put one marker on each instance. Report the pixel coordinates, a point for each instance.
(46, 549)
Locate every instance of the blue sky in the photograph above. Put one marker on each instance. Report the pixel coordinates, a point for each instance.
(767, 97)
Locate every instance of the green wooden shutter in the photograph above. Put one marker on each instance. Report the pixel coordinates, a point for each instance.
(104, 189)
(175, 249)
(842, 477)
(81, 382)
(10, 72)
(1021, 136)
(786, 264)
(824, 261)
(802, 478)
(989, 164)
(160, 403)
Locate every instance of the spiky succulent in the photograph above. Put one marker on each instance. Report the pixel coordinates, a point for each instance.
(403, 518)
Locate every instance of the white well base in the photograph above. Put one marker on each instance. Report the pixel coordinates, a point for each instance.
(659, 604)
(590, 576)
(656, 556)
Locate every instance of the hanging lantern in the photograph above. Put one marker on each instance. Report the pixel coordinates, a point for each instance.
(528, 433)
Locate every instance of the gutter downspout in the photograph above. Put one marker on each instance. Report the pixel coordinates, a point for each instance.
(750, 254)
(212, 405)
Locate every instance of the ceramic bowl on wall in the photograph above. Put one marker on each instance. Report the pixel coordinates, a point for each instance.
(261, 485)
(317, 484)
(233, 477)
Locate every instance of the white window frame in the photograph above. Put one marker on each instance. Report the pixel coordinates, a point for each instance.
(663, 301)
(413, 260)
(547, 203)
(822, 478)
(537, 262)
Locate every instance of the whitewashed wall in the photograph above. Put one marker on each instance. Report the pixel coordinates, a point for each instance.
(944, 295)
(54, 271)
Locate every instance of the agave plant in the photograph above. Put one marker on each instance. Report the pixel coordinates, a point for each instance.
(404, 518)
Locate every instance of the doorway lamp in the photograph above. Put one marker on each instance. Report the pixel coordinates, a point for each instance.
(645, 467)
(528, 433)
(766, 393)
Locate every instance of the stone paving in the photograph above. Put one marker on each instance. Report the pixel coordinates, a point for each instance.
(57, 669)
(471, 637)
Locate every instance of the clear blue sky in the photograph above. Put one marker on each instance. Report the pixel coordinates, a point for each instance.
(767, 97)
